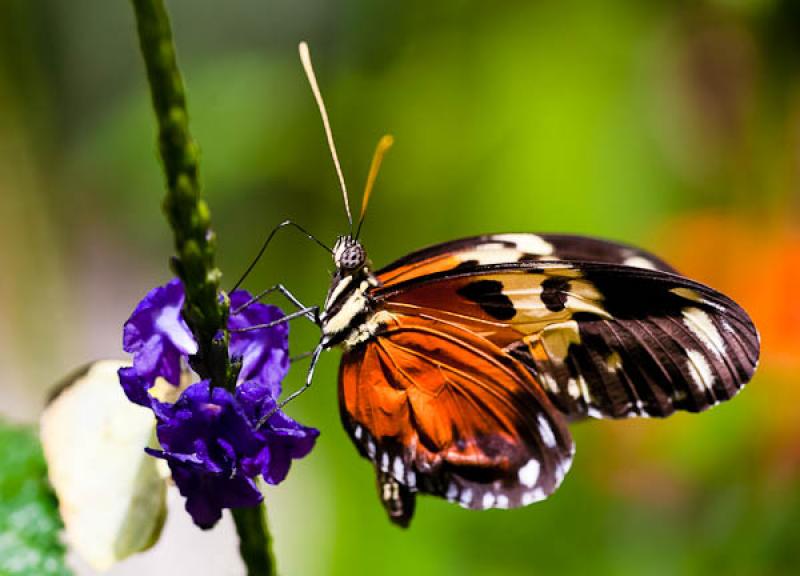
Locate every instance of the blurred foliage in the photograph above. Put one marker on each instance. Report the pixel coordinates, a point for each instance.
(672, 125)
(29, 521)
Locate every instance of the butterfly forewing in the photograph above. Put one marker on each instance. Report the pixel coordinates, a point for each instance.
(468, 253)
(604, 340)
(445, 411)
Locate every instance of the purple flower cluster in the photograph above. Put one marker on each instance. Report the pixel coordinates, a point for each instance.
(210, 436)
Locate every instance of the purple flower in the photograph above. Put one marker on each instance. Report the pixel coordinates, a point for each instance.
(210, 441)
(207, 493)
(284, 439)
(264, 352)
(214, 441)
(158, 337)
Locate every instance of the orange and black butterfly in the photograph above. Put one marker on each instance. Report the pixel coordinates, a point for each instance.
(464, 362)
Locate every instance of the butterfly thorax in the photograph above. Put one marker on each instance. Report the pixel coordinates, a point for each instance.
(348, 317)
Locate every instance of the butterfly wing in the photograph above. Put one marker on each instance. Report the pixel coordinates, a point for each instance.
(441, 410)
(604, 340)
(467, 253)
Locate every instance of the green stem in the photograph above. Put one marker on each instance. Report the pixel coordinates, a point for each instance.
(206, 307)
(187, 212)
(255, 543)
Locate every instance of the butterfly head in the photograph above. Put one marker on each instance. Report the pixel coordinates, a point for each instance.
(349, 255)
(348, 303)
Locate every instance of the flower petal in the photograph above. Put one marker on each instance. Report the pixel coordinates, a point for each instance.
(207, 493)
(135, 388)
(157, 335)
(264, 352)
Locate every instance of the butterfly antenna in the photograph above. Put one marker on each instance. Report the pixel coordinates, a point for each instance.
(380, 150)
(305, 58)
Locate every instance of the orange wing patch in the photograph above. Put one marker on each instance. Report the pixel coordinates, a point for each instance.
(446, 412)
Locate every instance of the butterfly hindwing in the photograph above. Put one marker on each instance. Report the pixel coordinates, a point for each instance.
(604, 340)
(444, 411)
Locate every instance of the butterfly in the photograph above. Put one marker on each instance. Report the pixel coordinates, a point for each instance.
(464, 362)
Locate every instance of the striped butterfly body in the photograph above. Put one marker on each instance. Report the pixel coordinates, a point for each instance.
(464, 362)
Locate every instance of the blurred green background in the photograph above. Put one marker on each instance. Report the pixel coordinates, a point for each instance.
(671, 125)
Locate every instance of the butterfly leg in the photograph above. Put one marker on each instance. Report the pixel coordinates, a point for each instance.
(303, 312)
(302, 356)
(309, 378)
(286, 293)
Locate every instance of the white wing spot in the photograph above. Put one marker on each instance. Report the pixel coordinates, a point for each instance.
(384, 462)
(399, 469)
(502, 501)
(490, 254)
(699, 370)
(573, 389)
(371, 448)
(593, 412)
(466, 497)
(546, 432)
(639, 262)
(528, 243)
(703, 327)
(584, 389)
(529, 474)
(550, 382)
(452, 492)
(358, 432)
(411, 478)
(488, 500)
(532, 496)
(561, 470)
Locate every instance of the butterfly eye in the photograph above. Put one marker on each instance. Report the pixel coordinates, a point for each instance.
(352, 258)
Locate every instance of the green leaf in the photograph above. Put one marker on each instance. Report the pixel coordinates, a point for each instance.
(29, 520)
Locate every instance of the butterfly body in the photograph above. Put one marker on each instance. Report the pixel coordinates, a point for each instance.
(464, 362)
(348, 316)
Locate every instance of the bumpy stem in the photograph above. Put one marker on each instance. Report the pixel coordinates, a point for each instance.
(206, 308)
(188, 214)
